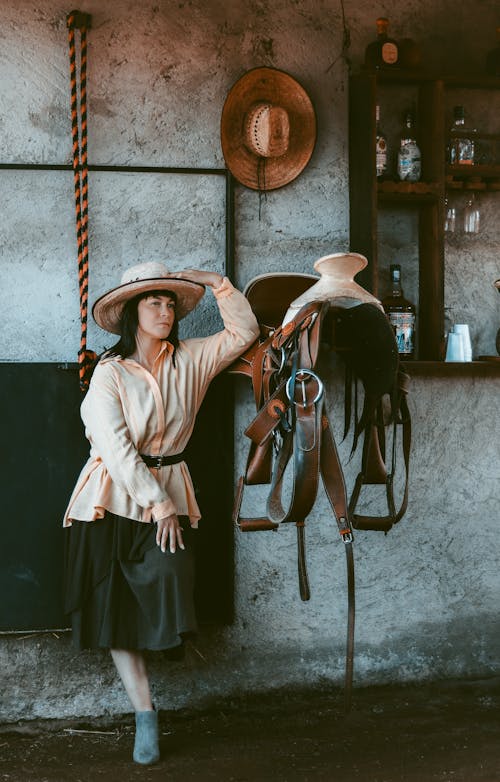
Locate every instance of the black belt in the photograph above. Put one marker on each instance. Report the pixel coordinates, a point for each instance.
(161, 461)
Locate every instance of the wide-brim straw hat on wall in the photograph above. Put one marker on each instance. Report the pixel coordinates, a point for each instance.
(150, 276)
(268, 129)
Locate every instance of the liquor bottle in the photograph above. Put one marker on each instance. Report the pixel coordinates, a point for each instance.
(383, 52)
(409, 163)
(401, 314)
(493, 58)
(461, 140)
(380, 147)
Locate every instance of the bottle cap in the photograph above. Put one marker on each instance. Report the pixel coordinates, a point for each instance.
(459, 112)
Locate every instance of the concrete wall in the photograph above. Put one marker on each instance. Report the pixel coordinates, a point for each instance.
(428, 593)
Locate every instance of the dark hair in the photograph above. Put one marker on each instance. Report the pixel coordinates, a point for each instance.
(130, 320)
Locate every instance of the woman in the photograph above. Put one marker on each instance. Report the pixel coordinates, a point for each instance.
(129, 562)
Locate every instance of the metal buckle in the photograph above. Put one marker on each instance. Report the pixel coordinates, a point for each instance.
(277, 441)
(345, 532)
(300, 377)
(158, 462)
(283, 361)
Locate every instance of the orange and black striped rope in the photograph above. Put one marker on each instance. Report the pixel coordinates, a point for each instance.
(81, 21)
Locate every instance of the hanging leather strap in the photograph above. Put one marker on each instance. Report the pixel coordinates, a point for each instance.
(303, 441)
(76, 20)
(335, 489)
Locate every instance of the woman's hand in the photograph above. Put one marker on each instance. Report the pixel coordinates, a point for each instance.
(166, 528)
(212, 279)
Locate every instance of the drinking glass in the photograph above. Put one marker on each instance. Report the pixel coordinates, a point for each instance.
(450, 217)
(472, 216)
(454, 347)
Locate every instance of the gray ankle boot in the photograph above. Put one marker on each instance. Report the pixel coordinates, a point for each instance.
(146, 750)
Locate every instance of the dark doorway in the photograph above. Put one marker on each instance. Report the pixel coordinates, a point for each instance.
(43, 449)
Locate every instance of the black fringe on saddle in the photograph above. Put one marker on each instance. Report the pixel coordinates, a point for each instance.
(365, 339)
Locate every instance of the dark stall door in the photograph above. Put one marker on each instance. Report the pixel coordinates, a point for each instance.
(42, 451)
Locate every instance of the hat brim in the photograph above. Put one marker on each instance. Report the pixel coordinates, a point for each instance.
(107, 310)
(279, 88)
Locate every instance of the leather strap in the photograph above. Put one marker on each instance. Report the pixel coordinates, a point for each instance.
(305, 592)
(162, 461)
(270, 416)
(249, 524)
(260, 457)
(373, 469)
(251, 363)
(304, 441)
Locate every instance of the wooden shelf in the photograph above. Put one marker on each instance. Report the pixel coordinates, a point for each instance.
(474, 82)
(470, 172)
(479, 177)
(408, 188)
(450, 81)
(387, 195)
(486, 368)
(368, 197)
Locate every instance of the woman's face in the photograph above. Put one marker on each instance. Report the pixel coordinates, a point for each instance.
(155, 315)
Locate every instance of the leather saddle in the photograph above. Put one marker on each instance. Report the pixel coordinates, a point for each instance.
(298, 314)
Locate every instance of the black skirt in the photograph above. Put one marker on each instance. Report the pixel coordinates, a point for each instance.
(122, 591)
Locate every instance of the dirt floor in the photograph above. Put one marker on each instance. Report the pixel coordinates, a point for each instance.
(448, 732)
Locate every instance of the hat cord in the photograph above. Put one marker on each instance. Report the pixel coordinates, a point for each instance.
(77, 19)
(261, 182)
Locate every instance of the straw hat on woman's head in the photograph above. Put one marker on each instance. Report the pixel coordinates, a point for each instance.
(150, 276)
(268, 129)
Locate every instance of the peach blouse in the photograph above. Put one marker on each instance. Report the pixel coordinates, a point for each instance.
(128, 411)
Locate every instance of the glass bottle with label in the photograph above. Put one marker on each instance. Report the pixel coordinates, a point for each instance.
(384, 51)
(461, 140)
(409, 160)
(401, 314)
(380, 148)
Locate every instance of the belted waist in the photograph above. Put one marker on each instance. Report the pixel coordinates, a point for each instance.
(162, 461)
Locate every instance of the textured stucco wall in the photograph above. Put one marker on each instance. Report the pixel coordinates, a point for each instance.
(428, 593)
